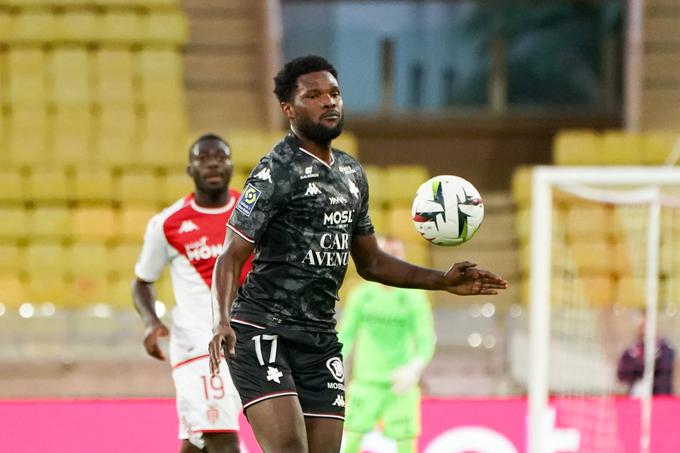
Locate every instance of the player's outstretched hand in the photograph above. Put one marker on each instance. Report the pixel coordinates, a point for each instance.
(224, 342)
(464, 279)
(151, 335)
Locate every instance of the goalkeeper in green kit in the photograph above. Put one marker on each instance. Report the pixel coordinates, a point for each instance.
(393, 337)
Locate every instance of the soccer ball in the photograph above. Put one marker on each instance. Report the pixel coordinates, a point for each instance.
(447, 210)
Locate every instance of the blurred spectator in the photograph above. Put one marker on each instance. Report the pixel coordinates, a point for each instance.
(631, 364)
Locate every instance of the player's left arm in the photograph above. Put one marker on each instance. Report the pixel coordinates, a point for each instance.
(463, 279)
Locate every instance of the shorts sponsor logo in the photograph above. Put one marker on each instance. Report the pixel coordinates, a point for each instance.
(248, 199)
(335, 385)
(334, 365)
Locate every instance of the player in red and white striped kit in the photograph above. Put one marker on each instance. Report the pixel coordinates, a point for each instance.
(188, 236)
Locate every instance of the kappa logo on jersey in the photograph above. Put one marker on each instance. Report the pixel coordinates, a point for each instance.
(265, 175)
(248, 199)
(353, 189)
(187, 226)
(273, 374)
(334, 365)
(312, 190)
(339, 401)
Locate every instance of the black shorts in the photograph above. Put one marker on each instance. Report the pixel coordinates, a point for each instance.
(273, 362)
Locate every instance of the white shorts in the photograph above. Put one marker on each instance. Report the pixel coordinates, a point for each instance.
(204, 404)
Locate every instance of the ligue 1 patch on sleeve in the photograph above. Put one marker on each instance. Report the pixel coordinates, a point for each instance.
(248, 199)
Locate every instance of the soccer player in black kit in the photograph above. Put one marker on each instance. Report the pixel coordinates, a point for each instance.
(303, 211)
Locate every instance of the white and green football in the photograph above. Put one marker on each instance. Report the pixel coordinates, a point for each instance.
(447, 210)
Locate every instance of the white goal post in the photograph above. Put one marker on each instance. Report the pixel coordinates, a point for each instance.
(648, 181)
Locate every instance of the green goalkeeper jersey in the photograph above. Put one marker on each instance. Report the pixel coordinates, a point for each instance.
(388, 328)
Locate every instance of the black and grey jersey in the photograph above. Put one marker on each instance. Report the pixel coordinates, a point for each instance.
(301, 214)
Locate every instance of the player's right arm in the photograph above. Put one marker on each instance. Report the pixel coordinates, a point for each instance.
(226, 276)
(150, 264)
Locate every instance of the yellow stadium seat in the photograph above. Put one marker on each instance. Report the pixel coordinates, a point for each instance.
(119, 293)
(77, 25)
(26, 141)
(12, 291)
(46, 259)
(71, 76)
(48, 288)
(166, 123)
(621, 148)
(160, 63)
(50, 222)
(378, 218)
(94, 223)
(13, 222)
(122, 27)
(599, 290)
(165, 27)
(577, 147)
(88, 259)
(138, 188)
(72, 135)
(417, 252)
(124, 257)
(590, 221)
(669, 261)
(658, 146)
(402, 182)
(521, 185)
(163, 93)
(32, 26)
(376, 183)
(26, 81)
(12, 187)
(45, 184)
(347, 142)
(164, 152)
(175, 186)
(133, 222)
(93, 184)
(113, 75)
(84, 291)
(115, 132)
(400, 225)
(628, 259)
(11, 256)
(238, 180)
(5, 25)
(630, 292)
(592, 256)
(669, 291)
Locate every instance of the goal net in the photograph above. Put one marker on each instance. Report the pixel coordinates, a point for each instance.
(602, 260)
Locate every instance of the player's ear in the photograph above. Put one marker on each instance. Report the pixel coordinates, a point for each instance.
(288, 110)
(190, 170)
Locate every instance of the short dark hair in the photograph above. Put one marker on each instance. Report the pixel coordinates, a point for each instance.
(286, 80)
(206, 138)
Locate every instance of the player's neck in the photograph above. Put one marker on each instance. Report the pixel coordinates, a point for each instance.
(320, 150)
(211, 199)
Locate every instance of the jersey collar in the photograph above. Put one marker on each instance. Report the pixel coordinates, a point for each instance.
(296, 142)
(222, 210)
